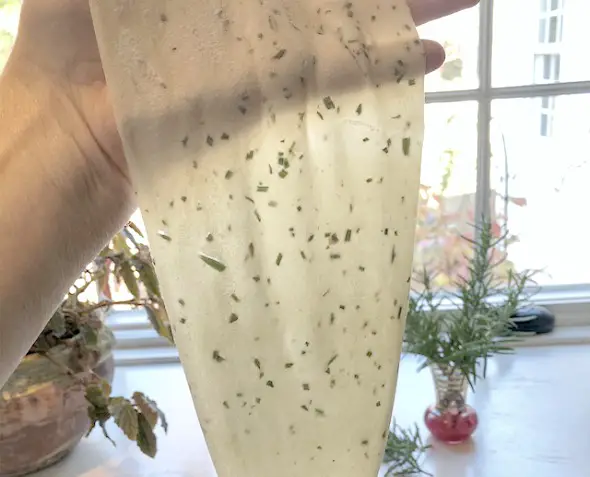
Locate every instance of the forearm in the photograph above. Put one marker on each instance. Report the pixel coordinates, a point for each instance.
(58, 207)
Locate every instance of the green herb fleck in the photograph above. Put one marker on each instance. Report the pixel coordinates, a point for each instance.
(319, 412)
(213, 262)
(164, 235)
(279, 259)
(332, 359)
(262, 188)
(348, 235)
(289, 365)
(283, 174)
(359, 109)
(270, 384)
(233, 318)
(329, 103)
(210, 141)
(406, 146)
(229, 174)
(217, 357)
(235, 298)
(280, 54)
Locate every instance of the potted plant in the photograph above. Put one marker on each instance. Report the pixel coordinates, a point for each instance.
(62, 389)
(456, 341)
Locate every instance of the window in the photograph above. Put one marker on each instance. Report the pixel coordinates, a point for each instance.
(511, 143)
(547, 68)
(551, 21)
(9, 13)
(507, 135)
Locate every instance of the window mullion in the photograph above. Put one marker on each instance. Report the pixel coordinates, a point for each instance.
(483, 193)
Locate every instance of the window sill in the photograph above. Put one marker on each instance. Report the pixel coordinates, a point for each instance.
(138, 343)
(163, 353)
(535, 386)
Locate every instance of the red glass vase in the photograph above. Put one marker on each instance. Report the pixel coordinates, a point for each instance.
(450, 420)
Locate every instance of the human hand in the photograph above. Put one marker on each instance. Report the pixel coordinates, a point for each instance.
(56, 45)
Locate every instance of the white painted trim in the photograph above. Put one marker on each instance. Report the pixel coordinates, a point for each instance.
(138, 343)
(564, 336)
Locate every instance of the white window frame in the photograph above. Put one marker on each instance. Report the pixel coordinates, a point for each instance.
(549, 63)
(138, 343)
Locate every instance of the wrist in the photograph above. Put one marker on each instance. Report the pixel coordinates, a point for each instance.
(60, 202)
(47, 133)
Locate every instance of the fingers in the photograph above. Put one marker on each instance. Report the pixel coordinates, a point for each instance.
(424, 11)
(435, 55)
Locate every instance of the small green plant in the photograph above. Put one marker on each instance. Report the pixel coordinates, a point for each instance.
(404, 452)
(78, 325)
(477, 324)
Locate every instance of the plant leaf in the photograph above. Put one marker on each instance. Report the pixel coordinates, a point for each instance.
(89, 334)
(161, 415)
(126, 417)
(159, 320)
(135, 228)
(129, 278)
(95, 396)
(148, 276)
(57, 324)
(120, 245)
(146, 439)
(149, 412)
(106, 387)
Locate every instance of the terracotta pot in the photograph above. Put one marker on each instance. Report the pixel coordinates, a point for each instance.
(43, 413)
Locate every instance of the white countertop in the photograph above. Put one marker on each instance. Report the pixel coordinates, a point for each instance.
(534, 412)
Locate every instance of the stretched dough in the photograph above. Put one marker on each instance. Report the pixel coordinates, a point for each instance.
(275, 147)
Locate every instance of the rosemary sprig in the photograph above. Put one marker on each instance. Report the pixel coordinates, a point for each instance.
(478, 326)
(404, 452)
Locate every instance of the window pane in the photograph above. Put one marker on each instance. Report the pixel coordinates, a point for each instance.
(553, 29)
(542, 30)
(546, 182)
(447, 197)
(544, 125)
(459, 35)
(513, 61)
(9, 11)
